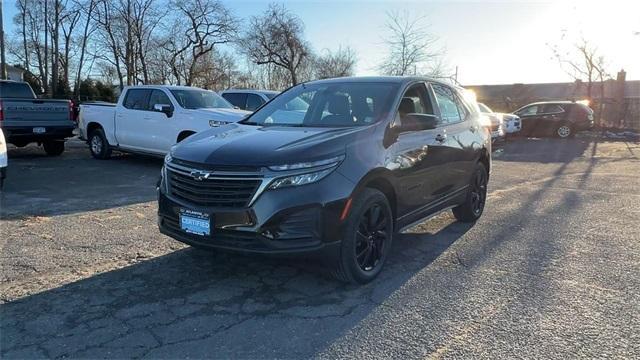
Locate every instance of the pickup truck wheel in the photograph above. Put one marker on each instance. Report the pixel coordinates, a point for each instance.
(53, 147)
(98, 145)
(367, 238)
(473, 206)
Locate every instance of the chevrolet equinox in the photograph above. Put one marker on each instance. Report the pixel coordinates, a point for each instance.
(331, 167)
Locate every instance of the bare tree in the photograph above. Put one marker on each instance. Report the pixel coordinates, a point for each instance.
(581, 61)
(335, 64)
(87, 8)
(199, 27)
(411, 48)
(276, 38)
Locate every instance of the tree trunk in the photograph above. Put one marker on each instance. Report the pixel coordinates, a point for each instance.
(45, 80)
(24, 36)
(56, 50)
(294, 77)
(83, 48)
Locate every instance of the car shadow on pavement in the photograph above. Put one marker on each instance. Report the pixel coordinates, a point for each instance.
(232, 305)
(38, 185)
(538, 150)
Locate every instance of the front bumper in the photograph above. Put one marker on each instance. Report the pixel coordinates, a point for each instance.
(303, 219)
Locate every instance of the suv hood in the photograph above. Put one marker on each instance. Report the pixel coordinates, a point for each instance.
(246, 145)
(221, 114)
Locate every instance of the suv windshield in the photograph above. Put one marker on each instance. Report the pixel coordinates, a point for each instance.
(328, 105)
(200, 99)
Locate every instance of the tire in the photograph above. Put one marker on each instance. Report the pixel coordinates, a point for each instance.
(367, 239)
(98, 145)
(53, 147)
(473, 205)
(564, 131)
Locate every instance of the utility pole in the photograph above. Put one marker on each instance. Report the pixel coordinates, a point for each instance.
(3, 60)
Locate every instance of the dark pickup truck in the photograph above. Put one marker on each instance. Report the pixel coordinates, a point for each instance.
(26, 119)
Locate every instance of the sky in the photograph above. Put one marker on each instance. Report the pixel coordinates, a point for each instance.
(490, 42)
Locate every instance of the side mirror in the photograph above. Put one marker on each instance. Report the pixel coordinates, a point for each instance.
(416, 122)
(163, 108)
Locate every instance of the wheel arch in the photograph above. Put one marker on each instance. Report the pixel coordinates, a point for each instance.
(381, 180)
(93, 126)
(184, 134)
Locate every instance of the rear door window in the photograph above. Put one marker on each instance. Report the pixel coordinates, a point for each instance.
(236, 99)
(552, 109)
(450, 110)
(137, 99)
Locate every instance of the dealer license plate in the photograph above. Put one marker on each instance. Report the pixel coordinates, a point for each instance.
(195, 222)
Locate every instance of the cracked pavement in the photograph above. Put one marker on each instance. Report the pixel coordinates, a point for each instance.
(552, 270)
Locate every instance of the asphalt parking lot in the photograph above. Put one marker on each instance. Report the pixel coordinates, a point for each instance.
(552, 270)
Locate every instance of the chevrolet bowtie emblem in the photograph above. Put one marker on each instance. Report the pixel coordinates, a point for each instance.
(199, 175)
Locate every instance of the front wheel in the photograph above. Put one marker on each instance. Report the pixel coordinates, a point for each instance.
(53, 147)
(473, 206)
(367, 238)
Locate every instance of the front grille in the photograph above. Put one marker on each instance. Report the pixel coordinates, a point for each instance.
(227, 192)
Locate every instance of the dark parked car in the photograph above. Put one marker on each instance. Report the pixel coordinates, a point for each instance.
(368, 157)
(26, 119)
(248, 99)
(557, 118)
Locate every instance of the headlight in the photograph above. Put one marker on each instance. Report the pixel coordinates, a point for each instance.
(302, 179)
(307, 165)
(168, 158)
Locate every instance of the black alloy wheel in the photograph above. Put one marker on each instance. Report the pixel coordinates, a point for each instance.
(373, 232)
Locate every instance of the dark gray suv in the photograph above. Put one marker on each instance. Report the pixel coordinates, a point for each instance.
(332, 167)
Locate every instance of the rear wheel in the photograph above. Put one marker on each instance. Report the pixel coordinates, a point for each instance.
(564, 131)
(98, 145)
(367, 238)
(53, 147)
(473, 206)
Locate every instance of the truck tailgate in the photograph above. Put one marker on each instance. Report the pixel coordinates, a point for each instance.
(36, 112)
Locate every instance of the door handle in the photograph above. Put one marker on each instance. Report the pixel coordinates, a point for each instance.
(441, 137)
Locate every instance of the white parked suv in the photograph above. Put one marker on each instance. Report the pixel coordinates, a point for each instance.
(248, 99)
(150, 119)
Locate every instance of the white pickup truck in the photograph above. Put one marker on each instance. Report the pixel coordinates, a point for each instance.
(149, 119)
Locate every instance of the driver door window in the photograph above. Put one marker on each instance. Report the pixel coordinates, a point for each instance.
(158, 97)
(253, 102)
(528, 111)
